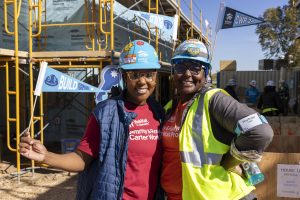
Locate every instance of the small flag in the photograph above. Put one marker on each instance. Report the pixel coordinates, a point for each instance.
(51, 80)
(39, 83)
(233, 18)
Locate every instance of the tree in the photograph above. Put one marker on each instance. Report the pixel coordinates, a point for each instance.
(277, 35)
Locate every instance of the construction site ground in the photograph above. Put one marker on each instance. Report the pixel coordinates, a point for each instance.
(45, 184)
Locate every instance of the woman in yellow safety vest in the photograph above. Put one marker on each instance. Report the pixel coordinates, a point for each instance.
(207, 134)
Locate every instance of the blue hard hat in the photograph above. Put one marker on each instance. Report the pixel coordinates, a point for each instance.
(139, 55)
(192, 49)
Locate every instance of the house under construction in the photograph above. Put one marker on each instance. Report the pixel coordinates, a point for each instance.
(78, 37)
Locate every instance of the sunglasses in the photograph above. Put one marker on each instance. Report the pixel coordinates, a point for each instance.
(193, 67)
(135, 75)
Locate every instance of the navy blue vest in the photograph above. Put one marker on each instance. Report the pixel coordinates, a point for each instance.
(104, 178)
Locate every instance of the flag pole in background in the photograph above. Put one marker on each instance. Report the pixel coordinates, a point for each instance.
(37, 92)
(218, 27)
(231, 18)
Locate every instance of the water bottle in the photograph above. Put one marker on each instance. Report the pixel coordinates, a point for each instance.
(252, 173)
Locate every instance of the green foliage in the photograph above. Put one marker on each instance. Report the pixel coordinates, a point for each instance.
(277, 35)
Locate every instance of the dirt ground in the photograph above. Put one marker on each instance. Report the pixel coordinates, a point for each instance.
(46, 184)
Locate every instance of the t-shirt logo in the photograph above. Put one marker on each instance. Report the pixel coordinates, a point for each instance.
(139, 122)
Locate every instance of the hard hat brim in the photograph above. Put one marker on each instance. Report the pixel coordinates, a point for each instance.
(137, 66)
(181, 57)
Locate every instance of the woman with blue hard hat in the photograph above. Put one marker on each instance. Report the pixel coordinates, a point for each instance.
(119, 156)
(252, 93)
(207, 134)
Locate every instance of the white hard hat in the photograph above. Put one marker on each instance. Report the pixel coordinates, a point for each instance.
(253, 83)
(231, 82)
(270, 83)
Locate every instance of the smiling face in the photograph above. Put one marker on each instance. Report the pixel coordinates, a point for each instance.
(140, 85)
(189, 80)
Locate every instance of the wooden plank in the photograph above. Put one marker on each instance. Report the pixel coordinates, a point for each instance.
(284, 144)
(9, 52)
(267, 190)
(72, 54)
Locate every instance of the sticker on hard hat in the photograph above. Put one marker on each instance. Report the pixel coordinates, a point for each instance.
(142, 60)
(193, 51)
(140, 43)
(142, 53)
(130, 58)
(128, 47)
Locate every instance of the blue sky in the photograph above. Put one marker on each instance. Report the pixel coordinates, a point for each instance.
(240, 44)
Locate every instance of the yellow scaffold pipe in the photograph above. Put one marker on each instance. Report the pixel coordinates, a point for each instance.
(87, 27)
(17, 86)
(6, 2)
(156, 29)
(40, 9)
(8, 118)
(111, 33)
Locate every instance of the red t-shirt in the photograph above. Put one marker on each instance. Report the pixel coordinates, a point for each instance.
(171, 177)
(144, 152)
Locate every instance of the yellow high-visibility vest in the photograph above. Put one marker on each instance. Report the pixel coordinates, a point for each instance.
(202, 176)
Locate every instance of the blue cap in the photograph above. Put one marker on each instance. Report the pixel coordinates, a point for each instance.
(139, 55)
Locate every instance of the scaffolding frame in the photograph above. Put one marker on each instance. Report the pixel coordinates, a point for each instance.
(94, 57)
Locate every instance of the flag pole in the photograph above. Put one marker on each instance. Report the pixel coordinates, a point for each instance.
(217, 28)
(37, 92)
(31, 118)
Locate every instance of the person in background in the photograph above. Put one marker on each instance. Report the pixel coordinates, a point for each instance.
(269, 102)
(120, 152)
(284, 95)
(230, 88)
(207, 134)
(252, 94)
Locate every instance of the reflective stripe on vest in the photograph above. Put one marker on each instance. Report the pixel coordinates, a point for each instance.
(198, 157)
(269, 110)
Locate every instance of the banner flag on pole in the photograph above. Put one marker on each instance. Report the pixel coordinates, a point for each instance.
(56, 81)
(233, 18)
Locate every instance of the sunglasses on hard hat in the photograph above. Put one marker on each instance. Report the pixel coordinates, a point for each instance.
(135, 75)
(194, 67)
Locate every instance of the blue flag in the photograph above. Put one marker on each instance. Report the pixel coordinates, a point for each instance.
(56, 81)
(233, 18)
(110, 78)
